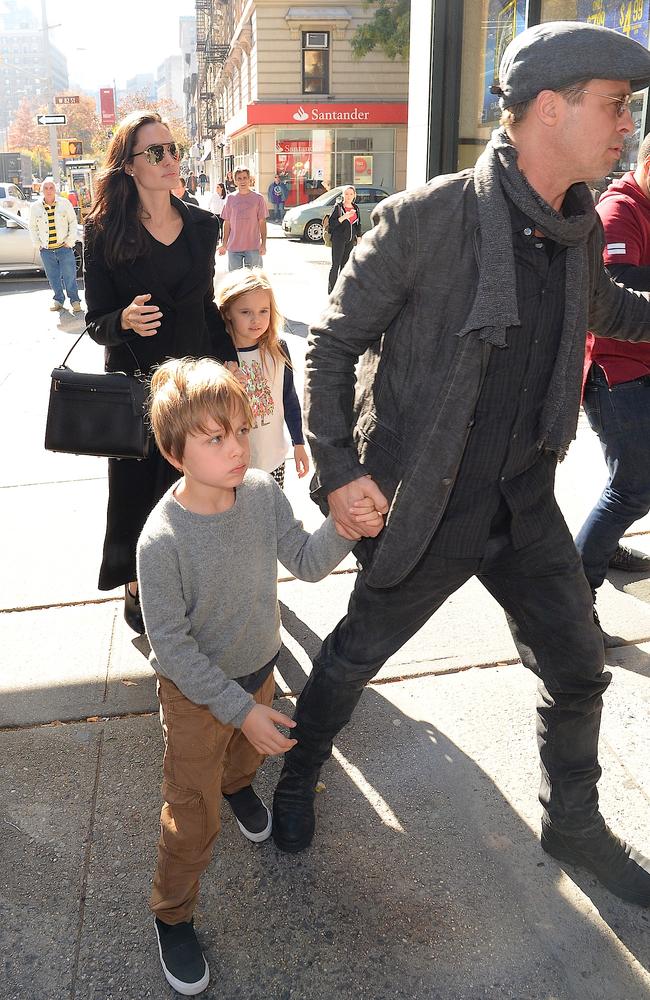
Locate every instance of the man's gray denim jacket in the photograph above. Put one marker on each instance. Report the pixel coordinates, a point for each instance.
(405, 414)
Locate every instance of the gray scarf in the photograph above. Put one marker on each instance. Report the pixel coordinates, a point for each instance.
(496, 176)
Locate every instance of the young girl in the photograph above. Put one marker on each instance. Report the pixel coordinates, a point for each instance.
(252, 319)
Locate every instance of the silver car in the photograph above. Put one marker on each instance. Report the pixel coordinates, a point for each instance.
(18, 253)
(306, 221)
(12, 198)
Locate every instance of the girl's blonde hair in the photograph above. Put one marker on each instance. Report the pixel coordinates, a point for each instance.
(185, 394)
(240, 282)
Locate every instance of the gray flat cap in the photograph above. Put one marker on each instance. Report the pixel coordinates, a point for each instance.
(558, 53)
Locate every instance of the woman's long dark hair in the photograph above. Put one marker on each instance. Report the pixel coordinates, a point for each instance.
(116, 209)
(222, 193)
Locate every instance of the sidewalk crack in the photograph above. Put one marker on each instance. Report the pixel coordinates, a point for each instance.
(86, 867)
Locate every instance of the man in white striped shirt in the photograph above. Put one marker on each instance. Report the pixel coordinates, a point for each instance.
(53, 227)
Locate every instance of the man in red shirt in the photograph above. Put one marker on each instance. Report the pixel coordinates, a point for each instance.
(617, 390)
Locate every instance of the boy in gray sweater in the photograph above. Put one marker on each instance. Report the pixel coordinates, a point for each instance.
(207, 572)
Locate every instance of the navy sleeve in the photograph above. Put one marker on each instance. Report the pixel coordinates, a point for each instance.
(291, 403)
(637, 278)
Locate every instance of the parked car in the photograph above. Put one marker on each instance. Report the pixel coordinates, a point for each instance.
(11, 197)
(18, 253)
(306, 221)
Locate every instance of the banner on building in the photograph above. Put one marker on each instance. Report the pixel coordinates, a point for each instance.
(506, 18)
(107, 105)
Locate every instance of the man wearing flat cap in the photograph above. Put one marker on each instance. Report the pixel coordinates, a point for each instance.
(470, 301)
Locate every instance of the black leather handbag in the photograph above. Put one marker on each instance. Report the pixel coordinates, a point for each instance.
(98, 414)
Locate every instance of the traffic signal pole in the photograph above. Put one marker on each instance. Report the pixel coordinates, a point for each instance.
(54, 152)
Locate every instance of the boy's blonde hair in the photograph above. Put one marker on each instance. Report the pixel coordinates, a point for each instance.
(185, 394)
(240, 282)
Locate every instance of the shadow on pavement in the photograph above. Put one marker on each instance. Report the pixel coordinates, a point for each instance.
(423, 881)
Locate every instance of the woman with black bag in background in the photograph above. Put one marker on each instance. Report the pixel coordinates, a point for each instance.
(149, 281)
(345, 229)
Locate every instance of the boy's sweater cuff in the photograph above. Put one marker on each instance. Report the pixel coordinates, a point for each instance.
(238, 719)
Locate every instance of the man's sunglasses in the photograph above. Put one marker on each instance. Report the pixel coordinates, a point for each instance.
(155, 153)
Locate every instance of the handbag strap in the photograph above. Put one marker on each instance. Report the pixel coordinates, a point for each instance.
(137, 372)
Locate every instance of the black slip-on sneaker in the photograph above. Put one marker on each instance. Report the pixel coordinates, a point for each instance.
(253, 818)
(184, 965)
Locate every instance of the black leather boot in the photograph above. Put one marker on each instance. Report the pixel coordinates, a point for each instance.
(294, 820)
(620, 868)
(324, 707)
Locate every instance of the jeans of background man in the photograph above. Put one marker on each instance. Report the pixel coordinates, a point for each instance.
(278, 211)
(61, 270)
(620, 416)
(243, 258)
(543, 591)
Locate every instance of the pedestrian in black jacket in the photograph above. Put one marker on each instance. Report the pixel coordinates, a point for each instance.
(345, 229)
(149, 270)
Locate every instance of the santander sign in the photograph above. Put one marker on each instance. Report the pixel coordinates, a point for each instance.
(324, 113)
(331, 115)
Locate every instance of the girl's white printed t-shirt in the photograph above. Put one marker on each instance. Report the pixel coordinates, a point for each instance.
(265, 386)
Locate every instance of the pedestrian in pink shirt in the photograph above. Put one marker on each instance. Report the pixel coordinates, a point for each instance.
(244, 224)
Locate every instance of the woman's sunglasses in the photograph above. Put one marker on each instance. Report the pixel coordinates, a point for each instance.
(155, 153)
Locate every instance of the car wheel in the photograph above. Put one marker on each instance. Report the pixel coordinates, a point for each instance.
(79, 258)
(314, 231)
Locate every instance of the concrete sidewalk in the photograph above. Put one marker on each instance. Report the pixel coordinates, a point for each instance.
(425, 881)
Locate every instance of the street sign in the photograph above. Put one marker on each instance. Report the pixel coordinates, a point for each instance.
(66, 99)
(52, 119)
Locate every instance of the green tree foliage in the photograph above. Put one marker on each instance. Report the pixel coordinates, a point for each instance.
(388, 30)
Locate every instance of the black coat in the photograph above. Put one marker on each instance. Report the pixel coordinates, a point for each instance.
(191, 325)
(344, 231)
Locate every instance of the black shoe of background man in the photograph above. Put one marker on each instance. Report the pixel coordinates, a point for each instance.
(133, 611)
(181, 958)
(619, 867)
(629, 560)
(294, 821)
(609, 641)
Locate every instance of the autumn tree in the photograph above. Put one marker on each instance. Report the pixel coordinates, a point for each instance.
(388, 30)
(23, 132)
(83, 122)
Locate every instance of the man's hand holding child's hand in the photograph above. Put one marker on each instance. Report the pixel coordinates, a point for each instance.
(259, 729)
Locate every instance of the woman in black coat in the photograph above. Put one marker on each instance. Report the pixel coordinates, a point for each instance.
(345, 229)
(149, 282)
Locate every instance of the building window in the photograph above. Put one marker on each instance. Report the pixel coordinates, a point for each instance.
(315, 62)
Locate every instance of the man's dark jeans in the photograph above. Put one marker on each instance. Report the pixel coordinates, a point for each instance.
(549, 608)
(620, 416)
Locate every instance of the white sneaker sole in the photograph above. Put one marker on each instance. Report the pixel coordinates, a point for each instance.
(257, 838)
(185, 989)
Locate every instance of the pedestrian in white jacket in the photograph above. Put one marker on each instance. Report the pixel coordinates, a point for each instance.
(53, 228)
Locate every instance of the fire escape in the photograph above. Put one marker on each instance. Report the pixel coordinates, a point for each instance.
(212, 51)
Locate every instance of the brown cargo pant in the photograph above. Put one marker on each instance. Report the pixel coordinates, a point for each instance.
(203, 758)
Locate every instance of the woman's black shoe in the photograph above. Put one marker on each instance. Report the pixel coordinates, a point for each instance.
(133, 611)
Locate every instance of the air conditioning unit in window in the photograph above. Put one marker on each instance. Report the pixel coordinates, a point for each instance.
(316, 40)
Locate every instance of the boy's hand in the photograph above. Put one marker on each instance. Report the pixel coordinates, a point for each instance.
(302, 460)
(259, 729)
(363, 512)
(341, 500)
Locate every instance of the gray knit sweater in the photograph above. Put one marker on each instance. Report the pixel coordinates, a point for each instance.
(208, 588)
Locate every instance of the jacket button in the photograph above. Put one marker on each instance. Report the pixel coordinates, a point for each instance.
(446, 482)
